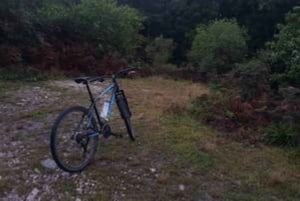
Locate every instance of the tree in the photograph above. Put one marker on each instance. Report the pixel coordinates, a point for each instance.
(159, 51)
(259, 17)
(100, 22)
(177, 19)
(285, 50)
(217, 46)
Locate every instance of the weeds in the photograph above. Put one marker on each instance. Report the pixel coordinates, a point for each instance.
(282, 135)
(21, 73)
(184, 136)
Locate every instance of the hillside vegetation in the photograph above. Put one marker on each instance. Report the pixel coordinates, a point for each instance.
(216, 98)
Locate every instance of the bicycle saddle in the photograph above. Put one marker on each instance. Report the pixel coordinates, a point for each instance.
(85, 80)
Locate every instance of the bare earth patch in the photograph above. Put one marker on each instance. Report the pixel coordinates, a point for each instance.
(174, 158)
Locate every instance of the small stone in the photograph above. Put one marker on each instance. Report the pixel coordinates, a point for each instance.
(204, 197)
(65, 174)
(49, 164)
(238, 183)
(37, 170)
(79, 190)
(152, 170)
(32, 195)
(163, 178)
(181, 187)
(77, 199)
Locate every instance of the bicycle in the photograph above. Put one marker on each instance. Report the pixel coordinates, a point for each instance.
(85, 125)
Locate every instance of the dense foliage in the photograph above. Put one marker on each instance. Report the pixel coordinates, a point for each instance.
(285, 50)
(178, 19)
(49, 33)
(101, 22)
(159, 51)
(218, 46)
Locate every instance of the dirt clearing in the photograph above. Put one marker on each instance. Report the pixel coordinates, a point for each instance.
(174, 157)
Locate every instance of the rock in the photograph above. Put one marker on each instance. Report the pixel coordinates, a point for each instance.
(2, 155)
(32, 195)
(181, 187)
(153, 170)
(163, 178)
(49, 164)
(37, 170)
(78, 199)
(12, 196)
(204, 197)
(208, 147)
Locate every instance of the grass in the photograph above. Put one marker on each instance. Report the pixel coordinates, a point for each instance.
(7, 86)
(180, 149)
(184, 136)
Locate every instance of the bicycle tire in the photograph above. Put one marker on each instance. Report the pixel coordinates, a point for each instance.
(125, 112)
(129, 128)
(54, 137)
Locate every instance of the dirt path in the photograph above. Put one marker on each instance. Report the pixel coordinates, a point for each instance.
(174, 158)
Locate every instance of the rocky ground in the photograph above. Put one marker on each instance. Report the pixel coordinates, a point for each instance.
(174, 157)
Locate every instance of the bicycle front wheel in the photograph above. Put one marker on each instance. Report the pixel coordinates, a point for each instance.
(125, 112)
(129, 128)
(74, 139)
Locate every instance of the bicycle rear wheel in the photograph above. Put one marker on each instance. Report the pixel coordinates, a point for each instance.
(73, 140)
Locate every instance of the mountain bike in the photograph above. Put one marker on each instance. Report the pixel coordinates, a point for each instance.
(76, 131)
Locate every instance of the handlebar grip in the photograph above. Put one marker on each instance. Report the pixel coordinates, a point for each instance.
(124, 72)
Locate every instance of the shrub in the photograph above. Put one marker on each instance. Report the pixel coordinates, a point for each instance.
(159, 51)
(219, 45)
(285, 50)
(282, 134)
(101, 22)
(21, 73)
(215, 110)
(253, 78)
(16, 22)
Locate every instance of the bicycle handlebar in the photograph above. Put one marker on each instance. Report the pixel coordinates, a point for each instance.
(125, 71)
(120, 73)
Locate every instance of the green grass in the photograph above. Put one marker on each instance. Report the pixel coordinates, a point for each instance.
(8, 86)
(21, 73)
(180, 148)
(183, 139)
(40, 114)
(260, 173)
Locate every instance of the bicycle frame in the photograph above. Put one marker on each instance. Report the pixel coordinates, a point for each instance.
(112, 88)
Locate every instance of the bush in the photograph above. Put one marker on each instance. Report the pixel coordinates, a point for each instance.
(282, 135)
(285, 50)
(21, 73)
(253, 78)
(219, 45)
(17, 22)
(214, 109)
(110, 27)
(159, 51)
